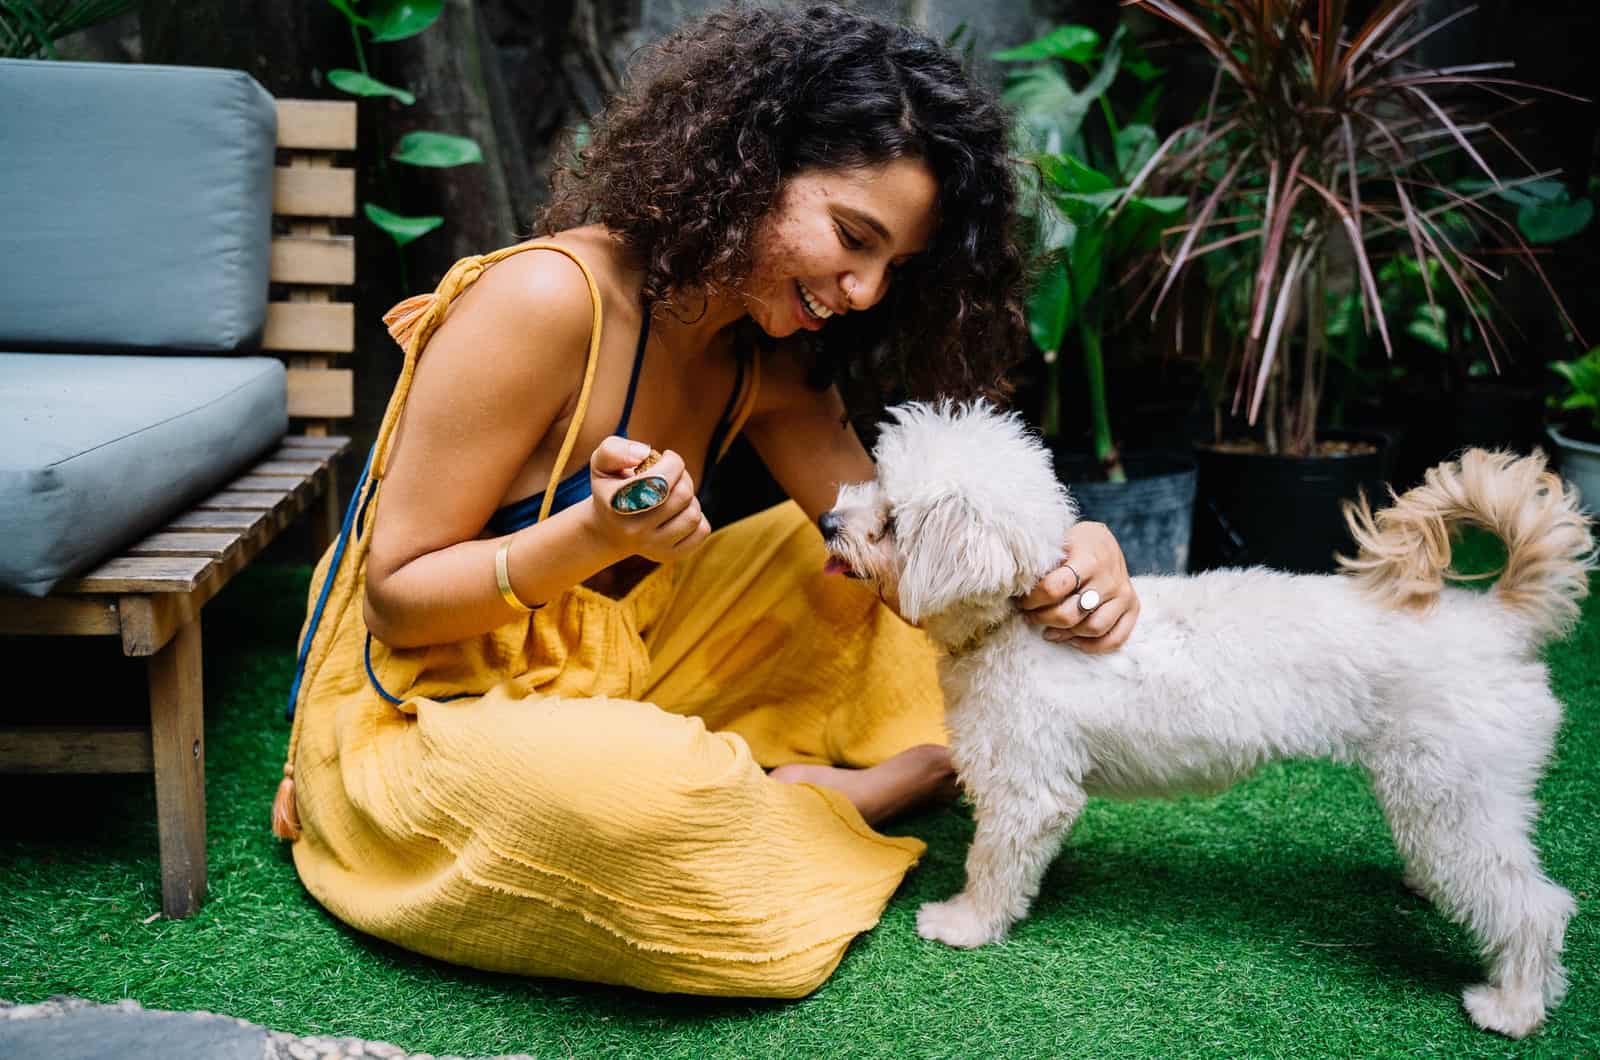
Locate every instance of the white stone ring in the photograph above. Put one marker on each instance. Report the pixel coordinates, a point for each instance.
(1088, 600)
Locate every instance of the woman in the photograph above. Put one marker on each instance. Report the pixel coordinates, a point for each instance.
(532, 730)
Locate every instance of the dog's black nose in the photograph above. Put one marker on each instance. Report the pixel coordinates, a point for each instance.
(830, 525)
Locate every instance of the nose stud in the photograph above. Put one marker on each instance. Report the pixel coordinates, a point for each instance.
(830, 525)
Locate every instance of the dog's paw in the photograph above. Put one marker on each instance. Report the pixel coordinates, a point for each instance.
(1513, 1014)
(956, 923)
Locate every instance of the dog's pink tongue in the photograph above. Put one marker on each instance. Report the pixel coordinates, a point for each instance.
(835, 565)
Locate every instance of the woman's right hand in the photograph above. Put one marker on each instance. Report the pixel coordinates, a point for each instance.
(663, 533)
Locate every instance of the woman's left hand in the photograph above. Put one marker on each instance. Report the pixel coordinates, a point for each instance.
(1092, 561)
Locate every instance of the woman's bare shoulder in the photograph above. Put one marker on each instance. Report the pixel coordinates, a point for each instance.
(546, 291)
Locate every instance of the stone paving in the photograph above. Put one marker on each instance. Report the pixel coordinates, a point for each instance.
(70, 1028)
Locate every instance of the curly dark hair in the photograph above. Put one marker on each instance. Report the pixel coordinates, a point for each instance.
(684, 165)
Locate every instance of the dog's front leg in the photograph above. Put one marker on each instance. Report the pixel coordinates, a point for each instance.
(1017, 837)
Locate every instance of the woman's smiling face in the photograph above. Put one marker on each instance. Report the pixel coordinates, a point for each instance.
(833, 241)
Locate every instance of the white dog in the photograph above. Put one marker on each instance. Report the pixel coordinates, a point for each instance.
(1438, 692)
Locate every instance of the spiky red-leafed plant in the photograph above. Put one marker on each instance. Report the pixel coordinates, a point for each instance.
(1315, 134)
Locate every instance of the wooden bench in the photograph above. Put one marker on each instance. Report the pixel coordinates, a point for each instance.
(152, 594)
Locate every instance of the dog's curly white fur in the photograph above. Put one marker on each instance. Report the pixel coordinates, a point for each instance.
(1438, 692)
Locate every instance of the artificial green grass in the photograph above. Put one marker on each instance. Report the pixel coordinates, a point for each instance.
(1269, 921)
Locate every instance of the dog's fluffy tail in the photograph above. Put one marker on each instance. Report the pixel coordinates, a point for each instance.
(1405, 548)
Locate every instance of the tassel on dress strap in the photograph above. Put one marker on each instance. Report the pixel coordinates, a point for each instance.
(403, 319)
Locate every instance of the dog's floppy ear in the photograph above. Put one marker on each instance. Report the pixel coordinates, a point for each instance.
(951, 554)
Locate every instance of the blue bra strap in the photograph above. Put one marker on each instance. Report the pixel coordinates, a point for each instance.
(327, 582)
(633, 380)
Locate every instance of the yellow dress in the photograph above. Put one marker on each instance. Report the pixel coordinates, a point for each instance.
(581, 793)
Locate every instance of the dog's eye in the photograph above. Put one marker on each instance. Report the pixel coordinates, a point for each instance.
(887, 529)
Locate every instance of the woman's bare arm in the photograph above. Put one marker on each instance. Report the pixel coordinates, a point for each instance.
(494, 380)
(803, 437)
(800, 437)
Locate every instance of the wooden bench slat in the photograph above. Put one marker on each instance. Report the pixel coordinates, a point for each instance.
(317, 124)
(296, 468)
(314, 260)
(329, 442)
(329, 392)
(297, 453)
(244, 500)
(75, 750)
(53, 616)
(310, 327)
(301, 191)
(257, 484)
(142, 574)
(217, 522)
(169, 543)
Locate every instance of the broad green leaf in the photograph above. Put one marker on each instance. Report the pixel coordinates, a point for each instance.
(359, 84)
(1139, 224)
(1086, 264)
(1343, 315)
(1049, 113)
(1073, 44)
(344, 8)
(1049, 110)
(437, 150)
(398, 19)
(1555, 221)
(1532, 193)
(1545, 190)
(1134, 145)
(1430, 328)
(1055, 231)
(1435, 314)
(1142, 68)
(1087, 210)
(1050, 307)
(1069, 174)
(401, 229)
(1397, 268)
(1582, 374)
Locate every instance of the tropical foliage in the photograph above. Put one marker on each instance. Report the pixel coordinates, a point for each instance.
(29, 29)
(385, 21)
(1582, 392)
(1323, 148)
(1087, 225)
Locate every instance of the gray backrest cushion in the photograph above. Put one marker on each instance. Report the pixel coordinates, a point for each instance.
(135, 207)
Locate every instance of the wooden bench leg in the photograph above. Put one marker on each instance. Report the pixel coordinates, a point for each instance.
(177, 736)
(326, 520)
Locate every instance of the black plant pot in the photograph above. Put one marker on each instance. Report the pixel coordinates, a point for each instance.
(1280, 511)
(1151, 515)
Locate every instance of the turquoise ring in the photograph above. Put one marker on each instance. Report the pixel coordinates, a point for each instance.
(639, 496)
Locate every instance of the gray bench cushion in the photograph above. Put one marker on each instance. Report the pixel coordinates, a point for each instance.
(135, 207)
(96, 451)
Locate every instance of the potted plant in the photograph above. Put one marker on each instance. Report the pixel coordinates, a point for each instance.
(1577, 439)
(1087, 232)
(1318, 154)
(1443, 390)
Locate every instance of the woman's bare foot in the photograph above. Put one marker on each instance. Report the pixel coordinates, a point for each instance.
(911, 778)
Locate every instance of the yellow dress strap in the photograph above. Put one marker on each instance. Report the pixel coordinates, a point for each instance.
(413, 321)
(747, 404)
